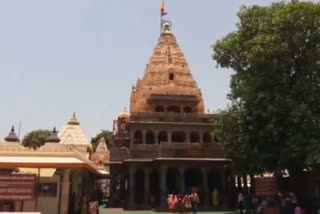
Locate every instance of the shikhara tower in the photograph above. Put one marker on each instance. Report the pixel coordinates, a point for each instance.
(165, 142)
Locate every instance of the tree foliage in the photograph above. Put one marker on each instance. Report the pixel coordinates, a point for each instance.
(36, 138)
(107, 136)
(274, 117)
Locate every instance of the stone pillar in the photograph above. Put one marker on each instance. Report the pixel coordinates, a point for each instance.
(224, 193)
(144, 136)
(201, 137)
(131, 138)
(182, 180)
(188, 137)
(163, 186)
(132, 171)
(65, 191)
(156, 133)
(146, 187)
(205, 187)
(169, 136)
(245, 182)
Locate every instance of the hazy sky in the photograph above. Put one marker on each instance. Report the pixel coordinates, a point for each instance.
(83, 56)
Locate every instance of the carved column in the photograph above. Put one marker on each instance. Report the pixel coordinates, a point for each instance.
(132, 171)
(146, 187)
(163, 186)
(205, 187)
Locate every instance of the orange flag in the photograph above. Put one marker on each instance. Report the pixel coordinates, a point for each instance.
(163, 11)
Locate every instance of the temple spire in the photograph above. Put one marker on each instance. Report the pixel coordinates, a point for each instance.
(73, 120)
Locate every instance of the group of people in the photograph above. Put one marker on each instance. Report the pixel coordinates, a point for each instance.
(288, 204)
(246, 202)
(183, 203)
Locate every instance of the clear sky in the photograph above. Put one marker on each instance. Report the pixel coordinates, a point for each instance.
(83, 56)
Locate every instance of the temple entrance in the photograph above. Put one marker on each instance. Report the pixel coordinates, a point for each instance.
(214, 179)
(194, 180)
(214, 184)
(154, 188)
(173, 181)
(139, 187)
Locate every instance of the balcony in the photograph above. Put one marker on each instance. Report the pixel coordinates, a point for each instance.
(172, 117)
(177, 150)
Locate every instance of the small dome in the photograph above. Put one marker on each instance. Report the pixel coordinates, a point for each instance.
(53, 138)
(12, 137)
(124, 114)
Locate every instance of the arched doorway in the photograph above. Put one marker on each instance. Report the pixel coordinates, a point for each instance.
(138, 137)
(139, 186)
(173, 109)
(154, 188)
(172, 180)
(178, 137)
(194, 137)
(187, 109)
(150, 137)
(194, 180)
(162, 137)
(207, 137)
(159, 109)
(214, 182)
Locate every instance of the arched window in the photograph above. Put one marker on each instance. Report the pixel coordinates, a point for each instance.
(178, 137)
(138, 137)
(207, 137)
(171, 76)
(159, 109)
(162, 137)
(175, 109)
(187, 109)
(150, 137)
(194, 137)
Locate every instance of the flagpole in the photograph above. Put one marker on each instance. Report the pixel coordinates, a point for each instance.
(160, 23)
(162, 13)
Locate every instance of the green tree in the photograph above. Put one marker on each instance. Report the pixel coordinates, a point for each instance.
(107, 136)
(35, 138)
(273, 121)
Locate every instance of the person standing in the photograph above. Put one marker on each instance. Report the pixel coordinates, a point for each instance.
(194, 202)
(187, 203)
(215, 198)
(240, 201)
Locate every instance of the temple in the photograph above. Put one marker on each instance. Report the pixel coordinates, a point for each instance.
(165, 143)
(65, 167)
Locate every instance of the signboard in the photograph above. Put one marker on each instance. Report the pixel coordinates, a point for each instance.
(266, 187)
(17, 187)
